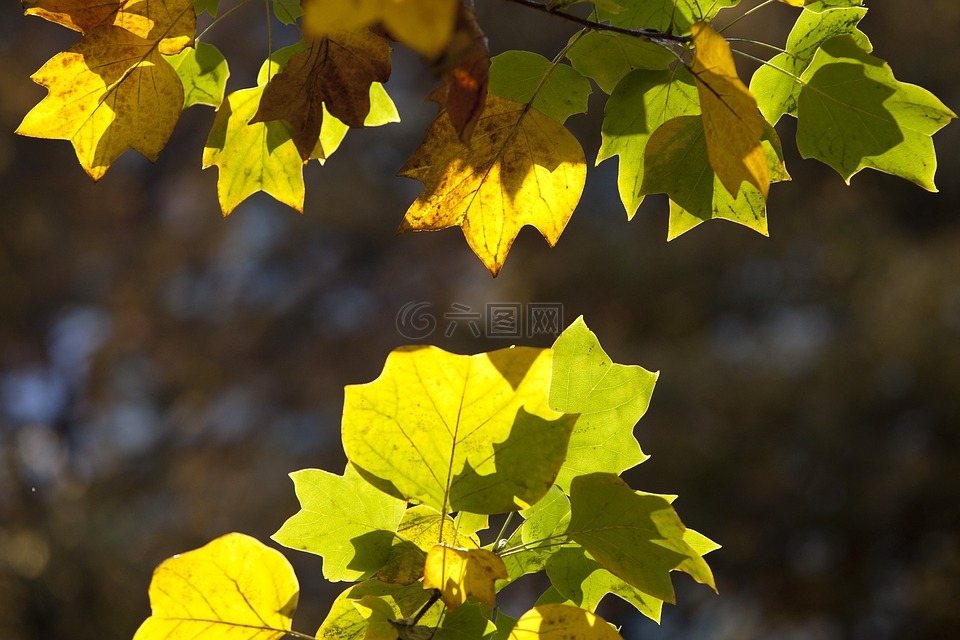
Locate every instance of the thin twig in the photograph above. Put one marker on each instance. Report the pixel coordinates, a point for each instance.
(647, 34)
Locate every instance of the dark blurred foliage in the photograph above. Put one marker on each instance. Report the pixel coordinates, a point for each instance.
(162, 370)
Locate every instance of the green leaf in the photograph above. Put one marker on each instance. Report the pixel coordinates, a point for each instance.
(581, 580)
(203, 72)
(468, 622)
(455, 432)
(333, 131)
(232, 587)
(636, 536)
(677, 164)
(353, 537)
(610, 399)
(853, 114)
(210, 6)
(287, 11)
(515, 75)
(674, 16)
(505, 625)
(345, 622)
(775, 84)
(637, 107)
(548, 518)
(823, 5)
(470, 523)
(607, 57)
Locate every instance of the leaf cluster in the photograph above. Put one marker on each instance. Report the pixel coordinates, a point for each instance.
(498, 156)
(436, 445)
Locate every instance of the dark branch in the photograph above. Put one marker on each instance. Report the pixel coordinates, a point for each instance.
(662, 37)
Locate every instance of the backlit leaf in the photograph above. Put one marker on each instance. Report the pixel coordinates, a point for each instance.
(607, 57)
(557, 90)
(776, 85)
(232, 587)
(635, 536)
(455, 432)
(426, 26)
(353, 537)
(642, 102)
(463, 573)
(562, 622)
(731, 122)
(673, 16)
(420, 529)
(678, 165)
(203, 72)
(521, 168)
(853, 114)
(581, 580)
(345, 622)
(465, 67)
(332, 74)
(544, 525)
(610, 399)
(287, 11)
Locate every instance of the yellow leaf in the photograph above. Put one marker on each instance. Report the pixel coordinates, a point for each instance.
(562, 622)
(233, 587)
(332, 74)
(461, 573)
(110, 92)
(731, 120)
(426, 26)
(798, 3)
(521, 168)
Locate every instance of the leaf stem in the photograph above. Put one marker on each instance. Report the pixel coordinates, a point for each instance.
(503, 529)
(647, 34)
(760, 43)
(520, 548)
(745, 14)
(767, 63)
(220, 17)
(429, 603)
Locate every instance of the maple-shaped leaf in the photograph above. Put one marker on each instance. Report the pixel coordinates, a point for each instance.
(854, 114)
(170, 24)
(642, 101)
(775, 84)
(465, 67)
(353, 538)
(560, 622)
(426, 26)
(677, 163)
(334, 72)
(521, 168)
(463, 573)
(110, 92)
(232, 587)
(636, 536)
(732, 123)
(455, 432)
(610, 399)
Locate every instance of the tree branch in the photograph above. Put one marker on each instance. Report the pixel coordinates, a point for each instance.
(660, 37)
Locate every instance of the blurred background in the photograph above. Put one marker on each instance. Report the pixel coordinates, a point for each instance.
(162, 370)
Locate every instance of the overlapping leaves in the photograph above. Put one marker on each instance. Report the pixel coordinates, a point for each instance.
(474, 434)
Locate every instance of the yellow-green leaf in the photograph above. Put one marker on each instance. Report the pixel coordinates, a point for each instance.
(731, 121)
(455, 432)
(462, 573)
(521, 168)
(232, 587)
(420, 529)
(562, 622)
(426, 26)
(345, 621)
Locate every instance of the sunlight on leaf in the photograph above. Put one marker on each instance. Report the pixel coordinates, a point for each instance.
(562, 622)
(422, 527)
(608, 57)
(732, 123)
(558, 90)
(353, 538)
(345, 622)
(463, 573)
(232, 587)
(636, 536)
(455, 432)
(521, 168)
(610, 399)
(854, 114)
(203, 72)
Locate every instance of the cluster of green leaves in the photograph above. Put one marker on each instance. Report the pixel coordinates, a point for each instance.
(498, 156)
(436, 444)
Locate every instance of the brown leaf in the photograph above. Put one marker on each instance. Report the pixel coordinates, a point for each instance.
(465, 66)
(336, 71)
